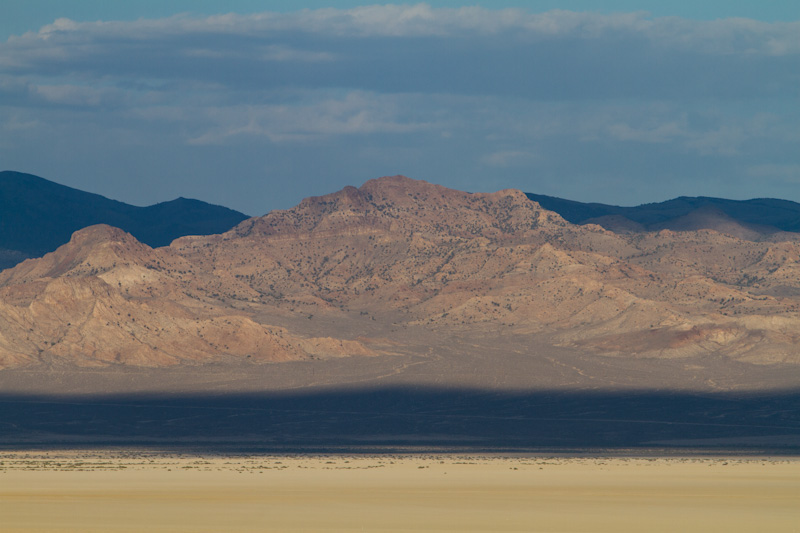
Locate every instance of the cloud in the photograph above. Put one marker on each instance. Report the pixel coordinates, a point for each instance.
(788, 173)
(721, 140)
(355, 113)
(660, 133)
(284, 53)
(723, 36)
(508, 158)
(77, 95)
(581, 98)
(558, 55)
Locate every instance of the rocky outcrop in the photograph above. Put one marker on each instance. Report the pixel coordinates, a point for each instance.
(392, 257)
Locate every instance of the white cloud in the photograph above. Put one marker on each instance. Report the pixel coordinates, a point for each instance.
(718, 135)
(16, 124)
(354, 114)
(78, 95)
(285, 53)
(470, 50)
(508, 158)
(788, 173)
(724, 36)
(386, 88)
(724, 140)
(660, 133)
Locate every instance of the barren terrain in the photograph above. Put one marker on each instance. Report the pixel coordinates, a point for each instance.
(405, 310)
(402, 317)
(383, 269)
(111, 492)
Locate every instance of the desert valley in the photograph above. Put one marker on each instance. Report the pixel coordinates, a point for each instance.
(346, 265)
(406, 297)
(399, 339)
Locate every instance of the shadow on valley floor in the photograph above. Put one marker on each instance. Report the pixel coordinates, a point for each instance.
(408, 419)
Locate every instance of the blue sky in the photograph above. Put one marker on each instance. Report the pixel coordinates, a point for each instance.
(255, 105)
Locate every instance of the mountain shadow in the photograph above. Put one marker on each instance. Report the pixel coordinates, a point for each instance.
(411, 419)
(37, 216)
(759, 216)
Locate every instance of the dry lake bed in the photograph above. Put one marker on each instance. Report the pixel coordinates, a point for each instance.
(127, 491)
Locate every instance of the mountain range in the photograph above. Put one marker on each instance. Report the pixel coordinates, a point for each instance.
(404, 268)
(37, 216)
(757, 219)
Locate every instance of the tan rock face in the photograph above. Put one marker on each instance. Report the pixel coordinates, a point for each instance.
(328, 277)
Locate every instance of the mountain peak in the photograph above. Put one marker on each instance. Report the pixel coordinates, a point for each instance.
(94, 249)
(401, 205)
(99, 233)
(398, 183)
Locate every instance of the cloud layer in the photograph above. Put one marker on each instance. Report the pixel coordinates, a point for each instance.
(623, 108)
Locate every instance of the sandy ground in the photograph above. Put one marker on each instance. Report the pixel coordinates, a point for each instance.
(141, 491)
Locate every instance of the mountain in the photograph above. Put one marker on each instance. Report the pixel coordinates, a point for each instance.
(757, 219)
(37, 216)
(473, 287)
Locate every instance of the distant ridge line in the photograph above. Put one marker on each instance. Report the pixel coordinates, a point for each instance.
(37, 216)
(764, 215)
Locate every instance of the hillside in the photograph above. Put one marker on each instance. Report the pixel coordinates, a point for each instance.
(37, 216)
(400, 267)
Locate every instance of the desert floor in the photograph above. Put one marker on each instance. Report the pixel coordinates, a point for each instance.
(116, 491)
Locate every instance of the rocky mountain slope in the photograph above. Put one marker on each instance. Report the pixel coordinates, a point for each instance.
(37, 216)
(401, 266)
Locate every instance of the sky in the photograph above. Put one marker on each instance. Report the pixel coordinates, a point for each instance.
(256, 105)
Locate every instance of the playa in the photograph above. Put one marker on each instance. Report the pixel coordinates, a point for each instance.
(121, 491)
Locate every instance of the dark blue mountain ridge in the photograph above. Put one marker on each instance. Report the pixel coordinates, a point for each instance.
(764, 215)
(37, 216)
